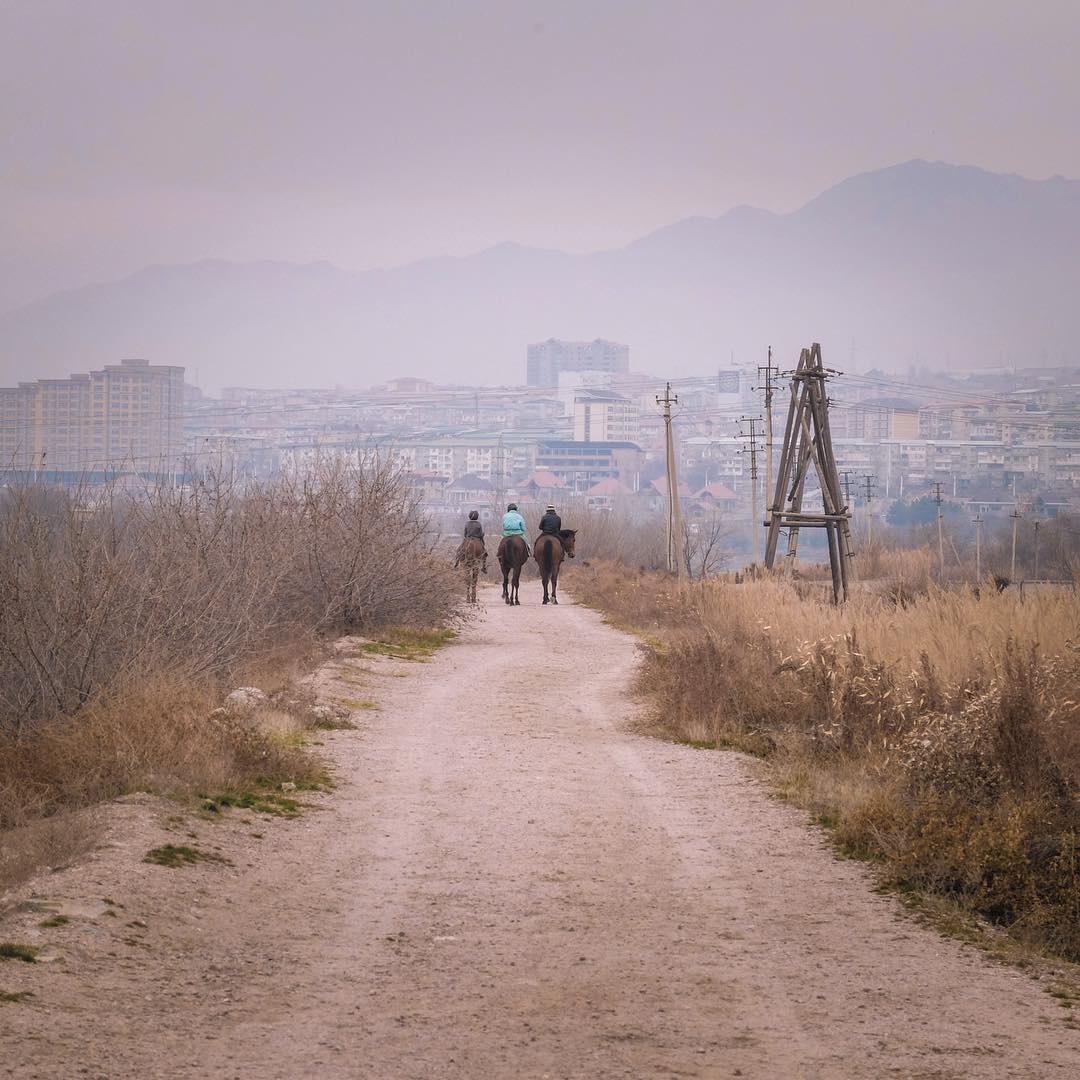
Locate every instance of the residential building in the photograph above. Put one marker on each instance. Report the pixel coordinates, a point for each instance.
(581, 464)
(604, 416)
(127, 415)
(546, 359)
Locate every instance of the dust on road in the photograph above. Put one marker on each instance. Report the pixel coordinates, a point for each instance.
(508, 882)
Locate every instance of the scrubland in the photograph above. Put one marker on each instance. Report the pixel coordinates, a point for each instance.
(935, 731)
(126, 614)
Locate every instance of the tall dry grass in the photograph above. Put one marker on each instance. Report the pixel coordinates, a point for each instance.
(125, 613)
(939, 734)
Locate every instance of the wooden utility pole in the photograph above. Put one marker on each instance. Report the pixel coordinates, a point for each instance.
(674, 520)
(752, 434)
(1037, 523)
(978, 519)
(807, 439)
(1015, 515)
(769, 372)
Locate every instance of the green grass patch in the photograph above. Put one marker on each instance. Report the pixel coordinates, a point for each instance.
(265, 797)
(404, 643)
(261, 802)
(339, 723)
(10, 997)
(356, 703)
(56, 920)
(176, 855)
(10, 951)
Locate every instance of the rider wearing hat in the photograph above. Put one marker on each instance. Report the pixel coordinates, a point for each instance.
(551, 524)
(474, 530)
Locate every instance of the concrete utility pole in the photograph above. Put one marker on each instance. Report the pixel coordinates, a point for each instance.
(940, 535)
(870, 481)
(674, 521)
(768, 371)
(1015, 515)
(752, 435)
(978, 519)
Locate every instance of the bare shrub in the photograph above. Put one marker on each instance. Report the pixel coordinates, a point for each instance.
(99, 587)
(125, 613)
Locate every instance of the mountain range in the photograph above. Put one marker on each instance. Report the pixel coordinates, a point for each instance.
(927, 263)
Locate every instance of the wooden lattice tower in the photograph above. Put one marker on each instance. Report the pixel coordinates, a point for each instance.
(807, 440)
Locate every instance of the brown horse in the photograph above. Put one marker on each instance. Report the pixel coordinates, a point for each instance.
(472, 555)
(513, 552)
(549, 554)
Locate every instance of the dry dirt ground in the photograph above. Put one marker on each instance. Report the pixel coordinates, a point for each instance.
(507, 882)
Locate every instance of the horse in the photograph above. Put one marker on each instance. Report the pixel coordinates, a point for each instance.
(549, 554)
(472, 555)
(513, 552)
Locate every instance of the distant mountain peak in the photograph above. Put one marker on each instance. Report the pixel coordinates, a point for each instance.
(922, 259)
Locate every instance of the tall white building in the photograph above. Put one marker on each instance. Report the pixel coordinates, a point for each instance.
(604, 416)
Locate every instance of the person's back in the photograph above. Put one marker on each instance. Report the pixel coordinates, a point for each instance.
(551, 523)
(513, 524)
(474, 530)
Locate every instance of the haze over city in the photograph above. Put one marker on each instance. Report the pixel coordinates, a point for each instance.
(367, 136)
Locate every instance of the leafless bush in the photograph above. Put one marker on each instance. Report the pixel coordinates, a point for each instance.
(99, 587)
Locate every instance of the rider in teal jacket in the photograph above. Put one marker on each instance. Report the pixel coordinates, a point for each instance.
(513, 524)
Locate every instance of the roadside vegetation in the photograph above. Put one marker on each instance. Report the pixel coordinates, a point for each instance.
(934, 731)
(128, 613)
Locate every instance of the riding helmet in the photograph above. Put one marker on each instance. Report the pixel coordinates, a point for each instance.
(474, 515)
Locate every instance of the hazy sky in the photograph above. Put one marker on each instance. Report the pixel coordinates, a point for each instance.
(367, 134)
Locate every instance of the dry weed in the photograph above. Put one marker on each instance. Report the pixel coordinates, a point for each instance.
(939, 732)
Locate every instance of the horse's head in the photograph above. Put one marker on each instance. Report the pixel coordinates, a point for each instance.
(568, 536)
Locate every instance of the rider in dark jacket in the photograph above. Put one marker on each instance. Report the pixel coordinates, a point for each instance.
(551, 523)
(474, 530)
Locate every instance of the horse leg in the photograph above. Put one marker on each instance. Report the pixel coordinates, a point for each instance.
(517, 583)
(506, 580)
(555, 584)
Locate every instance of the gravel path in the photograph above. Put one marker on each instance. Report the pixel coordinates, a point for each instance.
(508, 883)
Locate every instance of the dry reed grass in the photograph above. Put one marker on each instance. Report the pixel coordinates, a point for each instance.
(939, 734)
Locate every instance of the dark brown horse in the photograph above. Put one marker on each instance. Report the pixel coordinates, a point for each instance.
(513, 553)
(549, 552)
(472, 555)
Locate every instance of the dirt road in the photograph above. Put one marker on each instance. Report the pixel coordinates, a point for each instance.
(508, 883)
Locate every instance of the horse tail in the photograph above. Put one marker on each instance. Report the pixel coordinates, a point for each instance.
(548, 553)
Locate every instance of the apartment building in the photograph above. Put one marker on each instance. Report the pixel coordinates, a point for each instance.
(546, 359)
(126, 415)
(580, 465)
(604, 416)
